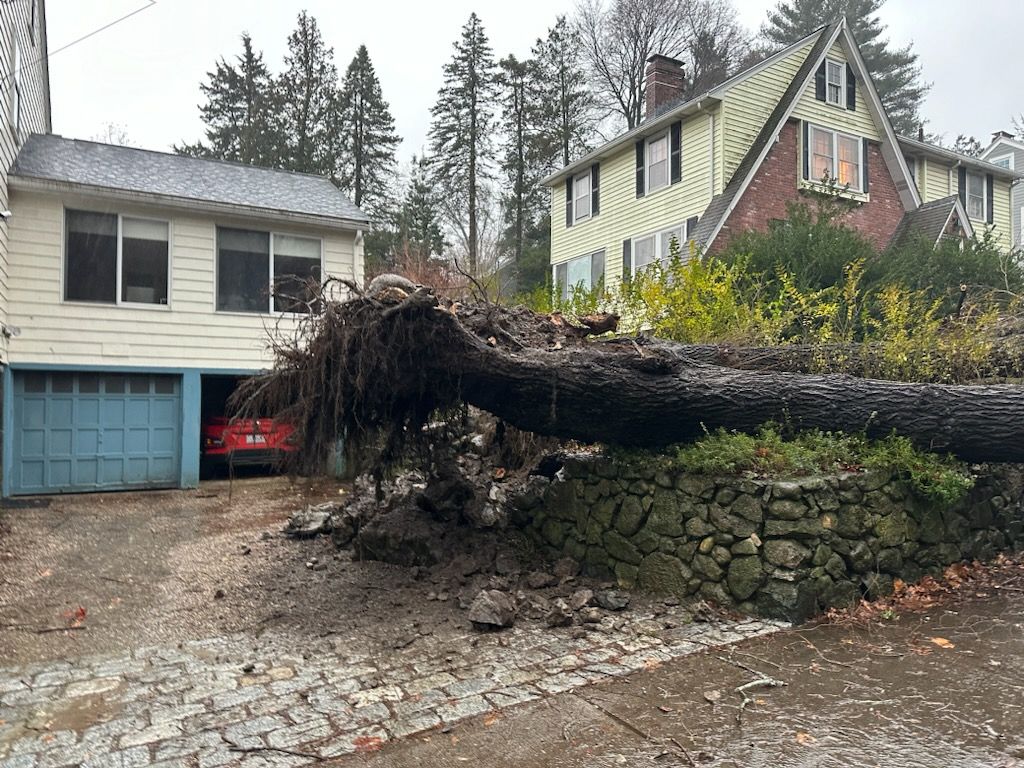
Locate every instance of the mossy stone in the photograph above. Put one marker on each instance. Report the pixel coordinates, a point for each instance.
(663, 574)
(745, 576)
(621, 548)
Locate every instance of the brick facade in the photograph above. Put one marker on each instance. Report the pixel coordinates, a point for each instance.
(776, 183)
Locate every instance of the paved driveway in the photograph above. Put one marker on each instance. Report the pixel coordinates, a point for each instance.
(208, 639)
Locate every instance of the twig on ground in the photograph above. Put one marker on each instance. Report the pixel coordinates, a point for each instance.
(234, 747)
(822, 656)
(764, 682)
(44, 630)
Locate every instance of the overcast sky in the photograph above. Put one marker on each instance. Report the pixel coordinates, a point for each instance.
(144, 73)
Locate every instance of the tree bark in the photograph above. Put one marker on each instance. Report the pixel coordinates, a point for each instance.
(595, 393)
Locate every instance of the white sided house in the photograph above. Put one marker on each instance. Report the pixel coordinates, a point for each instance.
(139, 287)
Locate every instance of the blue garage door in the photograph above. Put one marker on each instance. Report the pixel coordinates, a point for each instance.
(95, 432)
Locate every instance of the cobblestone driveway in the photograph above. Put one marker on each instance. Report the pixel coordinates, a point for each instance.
(219, 702)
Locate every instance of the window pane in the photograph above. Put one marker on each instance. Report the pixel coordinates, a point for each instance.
(666, 242)
(114, 385)
(62, 382)
(144, 261)
(243, 270)
(849, 162)
(88, 383)
(597, 269)
(821, 155)
(643, 252)
(91, 259)
(562, 280)
(34, 382)
(657, 163)
(163, 385)
(581, 196)
(138, 385)
(296, 273)
(975, 184)
(579, 273)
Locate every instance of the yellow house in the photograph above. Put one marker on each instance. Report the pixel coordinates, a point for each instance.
(729, 160)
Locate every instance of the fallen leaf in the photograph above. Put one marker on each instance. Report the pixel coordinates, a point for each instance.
(499, 473)
(942, 642)
(75, 618)
(802, 737)
(491, 718)
(45, 573)
(713, 696)
(666, 709)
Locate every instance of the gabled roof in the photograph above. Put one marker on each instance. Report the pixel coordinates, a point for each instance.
(721, 205)
(197, 182)
(718, 209)
(913, 146)
(1002, 141)
(930, 221)
(672, 113)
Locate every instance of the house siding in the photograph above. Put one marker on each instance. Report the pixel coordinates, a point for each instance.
(747, 105)
(858, 121)
(1016, 191)
(14, 25)
(775, 184)
(187, 333)
(623, 215)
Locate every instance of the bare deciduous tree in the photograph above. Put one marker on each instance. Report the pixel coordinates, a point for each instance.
(618, 37)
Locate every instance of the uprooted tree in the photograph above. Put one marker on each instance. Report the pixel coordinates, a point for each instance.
(383, 364)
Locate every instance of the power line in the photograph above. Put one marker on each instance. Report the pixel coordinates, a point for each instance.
(50, 54)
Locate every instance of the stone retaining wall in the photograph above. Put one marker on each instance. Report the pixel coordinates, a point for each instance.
(781, 548)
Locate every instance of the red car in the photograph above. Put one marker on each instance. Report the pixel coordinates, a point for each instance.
(245, 441)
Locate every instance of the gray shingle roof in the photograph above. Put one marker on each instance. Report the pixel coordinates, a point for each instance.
(54, 158)
(928, 221)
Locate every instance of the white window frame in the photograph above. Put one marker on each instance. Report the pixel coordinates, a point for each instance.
(569, 287)
(841, 100)
(271, 233)
(647, 162)
(117, 296)
(660, 243)
(1008, 157)
(576, 197)
(834, 173)
(967, 196)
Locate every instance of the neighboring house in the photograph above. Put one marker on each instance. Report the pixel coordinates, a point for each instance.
(704, 169)
(1007, 151)
(137, 290)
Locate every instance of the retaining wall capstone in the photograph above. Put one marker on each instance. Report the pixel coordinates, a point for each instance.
(784, 548)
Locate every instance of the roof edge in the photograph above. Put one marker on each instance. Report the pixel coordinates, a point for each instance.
(27, 183)
(949, 154)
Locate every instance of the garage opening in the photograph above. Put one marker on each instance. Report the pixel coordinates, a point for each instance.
(244, 446)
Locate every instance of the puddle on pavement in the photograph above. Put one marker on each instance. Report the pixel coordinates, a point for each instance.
(68, 714)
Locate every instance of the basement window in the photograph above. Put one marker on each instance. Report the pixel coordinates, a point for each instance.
(114, 259)
(261, 273)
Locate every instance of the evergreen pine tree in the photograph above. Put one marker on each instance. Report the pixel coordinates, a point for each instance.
(367, 138)
(308, 92)
(895, 71)
(460, 134)
(519, 161)
(239, 112)
(419, 220)
(567, 120)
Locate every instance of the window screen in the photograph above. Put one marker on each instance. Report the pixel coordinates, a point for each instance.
(91, 256)
(296, 273)
(143, 261)
(243, 270)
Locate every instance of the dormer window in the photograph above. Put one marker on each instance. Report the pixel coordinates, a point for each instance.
(835, 82)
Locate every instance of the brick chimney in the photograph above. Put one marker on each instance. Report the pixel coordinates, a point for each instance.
(665, 83)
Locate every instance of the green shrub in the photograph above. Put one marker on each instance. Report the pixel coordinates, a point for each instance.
(768, 453)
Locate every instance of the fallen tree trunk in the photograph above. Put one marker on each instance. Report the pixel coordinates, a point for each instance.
(365, 366)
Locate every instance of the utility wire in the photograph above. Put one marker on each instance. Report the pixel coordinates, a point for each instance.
(50, 54)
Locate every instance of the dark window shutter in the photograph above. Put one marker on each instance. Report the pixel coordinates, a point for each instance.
(851, 89)
(675, 139)
(627, 260)
(640, 184)
(819, 83)
(989, 198)
(962, 185)
(691, 227)
(807, 153)
(865, 169)
(595, 192)
(568, 202)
